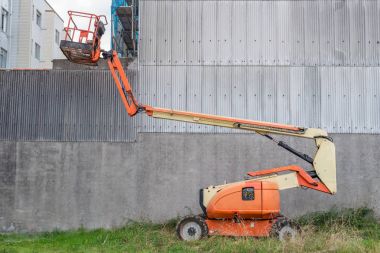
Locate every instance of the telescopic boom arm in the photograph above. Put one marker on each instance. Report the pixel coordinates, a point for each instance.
(323, 162)
(82, 45)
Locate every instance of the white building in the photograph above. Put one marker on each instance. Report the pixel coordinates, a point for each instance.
(5, 9)
(30, 34)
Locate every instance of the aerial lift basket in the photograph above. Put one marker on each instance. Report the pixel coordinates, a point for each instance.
(82, 39)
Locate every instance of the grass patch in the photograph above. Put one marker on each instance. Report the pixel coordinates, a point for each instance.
(335, 231)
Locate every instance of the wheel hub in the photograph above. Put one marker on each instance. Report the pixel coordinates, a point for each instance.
(191, 231)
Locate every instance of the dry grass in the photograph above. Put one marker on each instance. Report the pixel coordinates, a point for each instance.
(334, 231)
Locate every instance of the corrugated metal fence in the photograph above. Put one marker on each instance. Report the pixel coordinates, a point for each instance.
(62, 106)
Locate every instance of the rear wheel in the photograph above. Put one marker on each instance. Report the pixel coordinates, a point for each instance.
(285, 230)
(192, 228)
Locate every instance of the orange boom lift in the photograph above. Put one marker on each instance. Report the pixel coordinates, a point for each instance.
(247, 208)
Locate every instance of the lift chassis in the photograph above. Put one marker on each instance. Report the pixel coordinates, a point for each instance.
(247, 208)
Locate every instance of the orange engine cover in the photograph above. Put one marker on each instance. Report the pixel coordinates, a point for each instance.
(246, 200)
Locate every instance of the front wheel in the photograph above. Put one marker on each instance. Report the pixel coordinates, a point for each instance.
(192, 228)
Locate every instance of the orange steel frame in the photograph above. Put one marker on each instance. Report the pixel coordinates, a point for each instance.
(229, 227)
(84, 34)
(89, 34)
(304, 179)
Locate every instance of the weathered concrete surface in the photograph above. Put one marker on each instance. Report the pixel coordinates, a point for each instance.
(46, 185)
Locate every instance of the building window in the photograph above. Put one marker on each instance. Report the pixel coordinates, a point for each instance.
(3, 58)
(4, 20)
(37, 51)
(38, 18)
(57, 37)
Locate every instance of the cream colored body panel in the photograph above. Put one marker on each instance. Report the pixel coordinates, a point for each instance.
(284, 181)
(325, 163)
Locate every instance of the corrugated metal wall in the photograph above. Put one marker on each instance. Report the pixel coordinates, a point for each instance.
(308, 63)
(62, 106)
(251, 32)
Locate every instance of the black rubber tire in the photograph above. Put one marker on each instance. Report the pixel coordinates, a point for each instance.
(285, 225)
(197, 219)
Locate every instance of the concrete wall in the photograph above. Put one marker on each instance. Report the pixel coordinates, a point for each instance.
(49, 185)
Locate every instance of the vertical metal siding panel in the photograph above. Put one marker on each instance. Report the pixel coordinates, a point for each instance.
(6, 108)
(255, 26)
(17, 116)
(311, 98)
(224, 95)
(327, 32)
(269, 95)
(62, 106)
(148, 85)
(283, 95)
(270, 33)
(209, 35)
(329, 120)
(297, 96)
(284, 36)
(297, 32)
(239, 92)
(239, 33)
(209, 96)
(81, 112)
(49, 114)
(164, 31)
(69, 106)
(357, 32)
(194, 94)
(358, 99)
(179, 94)
(32, 95)
(16, 119)
(372, 33)
(91, 98)
(103, 119)
(194, 32)
(312, 32)
(164, 96)
(4, 90)
(11, 127)
(342, 33)
(99, 109)
(151, 26)
(254, 87)
(343, 100)
(224, 32)
(143, 18)
(179, 32)
(373, 102)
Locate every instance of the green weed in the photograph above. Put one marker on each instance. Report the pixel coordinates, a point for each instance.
(334, 231)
